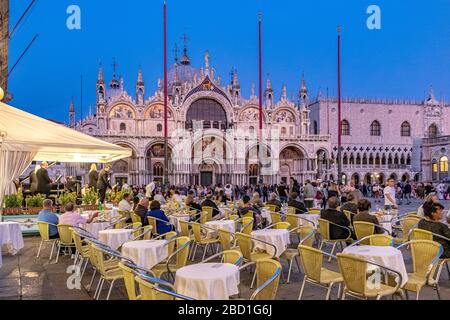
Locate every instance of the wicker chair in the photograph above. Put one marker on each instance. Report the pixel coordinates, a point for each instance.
(267, 280)
(324, 226)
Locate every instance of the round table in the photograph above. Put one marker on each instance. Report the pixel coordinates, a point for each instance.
(278, 237)
(388, 257)
(114, 237)
(313, 217)
(229, 225)
(175, 219)
(146, 253)
(208, 281)
(95, 227)
(385, 221)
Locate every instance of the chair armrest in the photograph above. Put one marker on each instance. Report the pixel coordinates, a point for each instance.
(174, 255)
(265, 284)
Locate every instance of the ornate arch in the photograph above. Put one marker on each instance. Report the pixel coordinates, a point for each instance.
(284, 115)
(155, 111)
(212, 94)
(246, 115)
(123, 110)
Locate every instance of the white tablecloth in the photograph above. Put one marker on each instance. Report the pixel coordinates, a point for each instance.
(146, 253)
(388, 257)
(278, 237)
(208, 281)
(228, 225)
(265, 213)
(114, 237)
(175, 220)
(95, 227)
(311, 217)
(11, 236)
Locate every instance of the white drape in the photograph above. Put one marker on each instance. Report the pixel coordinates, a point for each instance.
(12, 165)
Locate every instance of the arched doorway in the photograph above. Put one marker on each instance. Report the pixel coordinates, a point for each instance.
(405, 177)
(368, 179)
(294, 162)
(154, 162)
(206, 113)
(355, 179)
(206, 174)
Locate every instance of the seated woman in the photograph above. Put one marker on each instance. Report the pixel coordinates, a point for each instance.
(246, 207)
(299, 206)
(433, 216)
(156, 212)
(432, 197)
(364, 215)
(256, 200)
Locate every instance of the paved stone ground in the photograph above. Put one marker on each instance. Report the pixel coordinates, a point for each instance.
(25, 277)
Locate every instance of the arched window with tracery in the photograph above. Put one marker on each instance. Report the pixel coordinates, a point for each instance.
(406, 129)
(345, 128)
(375, 129)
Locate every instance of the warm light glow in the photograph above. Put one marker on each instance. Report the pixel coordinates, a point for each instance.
(443, 163)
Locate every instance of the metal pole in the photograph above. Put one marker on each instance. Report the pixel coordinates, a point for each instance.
(339, 157)
(259, 148)
(166, 158)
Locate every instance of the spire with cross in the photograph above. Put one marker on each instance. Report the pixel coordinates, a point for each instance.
(114, 65)
(185, 59)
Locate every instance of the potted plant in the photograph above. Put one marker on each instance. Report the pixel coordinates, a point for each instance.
(34, 203)
(67, 197)
(90, 198)
(13, 204)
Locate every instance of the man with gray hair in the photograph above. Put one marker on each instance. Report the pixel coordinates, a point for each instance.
(274, 201)
(47, 215)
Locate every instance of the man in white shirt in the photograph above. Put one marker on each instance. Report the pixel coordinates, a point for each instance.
(125, 203)
(149, 190)
(390, 202)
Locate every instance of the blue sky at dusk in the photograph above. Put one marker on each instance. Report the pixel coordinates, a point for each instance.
(410, 52)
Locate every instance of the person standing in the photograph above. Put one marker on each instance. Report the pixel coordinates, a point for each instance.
(407, 192)
(308, 195)
(281, 191)
(93, 177)
(389, 192)
(103, 183)
(44, 183)
(33, 180)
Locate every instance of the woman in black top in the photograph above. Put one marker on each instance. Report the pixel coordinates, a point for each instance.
(433, 213)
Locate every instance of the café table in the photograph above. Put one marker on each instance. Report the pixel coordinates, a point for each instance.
(278, 237)
(115, 237)
(95, 227)
(388, 257)
(208, 281)
(146, 253)
(229, 225)
(313, 217)
(175, 219)
(11, 237)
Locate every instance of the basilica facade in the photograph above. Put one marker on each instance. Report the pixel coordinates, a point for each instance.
(214, 136)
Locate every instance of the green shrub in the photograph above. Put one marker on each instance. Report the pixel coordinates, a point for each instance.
(35, 201)
(90, 197)
(14, 200)
(68, 197)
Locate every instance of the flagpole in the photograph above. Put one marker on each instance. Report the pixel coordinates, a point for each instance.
(260, 93)
(166, 159)
(339, 157)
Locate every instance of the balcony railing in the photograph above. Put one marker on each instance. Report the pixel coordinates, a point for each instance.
(437, 140)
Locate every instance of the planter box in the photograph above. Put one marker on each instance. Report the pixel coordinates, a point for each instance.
(89, 207)
(33, 211)
(12, 211)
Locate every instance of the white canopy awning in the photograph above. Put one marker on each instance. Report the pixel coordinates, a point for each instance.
(22, 131)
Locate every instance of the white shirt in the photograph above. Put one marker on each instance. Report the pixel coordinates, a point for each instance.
(149, 189)
(390, 191)
(124, 205)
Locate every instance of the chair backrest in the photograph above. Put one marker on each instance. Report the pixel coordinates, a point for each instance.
(152, 222)
(348, 214)
(184, 228)
(129, 280)
(148, 234)
(420, 234)
(233, 217)
(247, 225)
(44, 230)
(245, 244)
(120, 224)
(282, 225)
(231, 256)
(324, 226)
(314, 211)
(65, 234)
(169, 236)
(225, 239)
(412, 214)
(311, 260)
(380, 240)
(204, 217)
(209, 210)
(291, 210)
(276, 217)
(293, 220)
(135, 217)
(148, 291)
(249, 214)
(407, 224)
(99, 258)
(137, 225)
(354, 272)
(268, 272)
(182, 255)
(77, 240)
(304, 232)
(423, 253)
(196, 230)
(271, 207)
(363, 229)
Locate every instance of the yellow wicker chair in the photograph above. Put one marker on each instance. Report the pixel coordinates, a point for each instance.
(268, 278)
(201, 241)
(425, 255)
(271, 207)
(312, 260)
(181, 257)
(135, 217)
(324, 226)
(276, 217)
(363, 230)
(152, 223)
(227, 239)
(184, 229)
(314, 211)
(247, 224)
(148, 232)
(348, 214)
(107, 271)
(130, 281)
(406, 224)
(151, 289)
(354, 273)
(228, 256)
(44, 231)
(291, 210)
(65, 238)
(209, 216)
(381, 240)
(280, 225)
(82, 251)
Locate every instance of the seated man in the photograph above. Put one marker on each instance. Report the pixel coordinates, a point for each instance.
(333, 215)
(247, 207)
(363, 214)
(141, 210)
(208, 202)
(351, 204)
(47, 215)
(73, 218)
(162, 224)
(298, 205)
(273, 201)
(433, 213)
